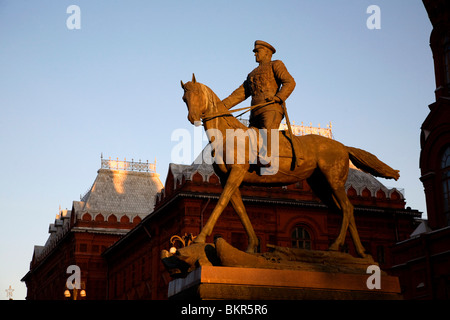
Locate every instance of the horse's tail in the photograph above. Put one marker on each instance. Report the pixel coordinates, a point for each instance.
(371, 164)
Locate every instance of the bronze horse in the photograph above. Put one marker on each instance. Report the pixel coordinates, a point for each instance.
(325, 165)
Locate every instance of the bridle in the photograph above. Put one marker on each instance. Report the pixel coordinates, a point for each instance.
(229, 112)
(207, 117)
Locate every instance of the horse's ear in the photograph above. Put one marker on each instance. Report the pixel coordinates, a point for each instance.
(182, 84)
(193, 79)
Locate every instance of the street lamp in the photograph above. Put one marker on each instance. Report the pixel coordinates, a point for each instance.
(77, 293)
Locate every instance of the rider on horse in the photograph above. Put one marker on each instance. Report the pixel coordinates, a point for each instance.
(269, 82)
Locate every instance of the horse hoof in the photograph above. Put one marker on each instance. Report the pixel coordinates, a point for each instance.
(199, 239)
(362, 254)
(250, 250)
(334, 247)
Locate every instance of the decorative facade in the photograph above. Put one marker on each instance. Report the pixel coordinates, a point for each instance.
(423, 261)
(301, 130)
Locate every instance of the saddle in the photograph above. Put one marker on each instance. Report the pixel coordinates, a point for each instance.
(299, 146)
(285, 147)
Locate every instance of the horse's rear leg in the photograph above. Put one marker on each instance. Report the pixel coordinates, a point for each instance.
(355, 236)
(238, 205)
(348, 221)
(340, 202)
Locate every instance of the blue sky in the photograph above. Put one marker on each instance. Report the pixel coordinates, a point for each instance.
(113, 87)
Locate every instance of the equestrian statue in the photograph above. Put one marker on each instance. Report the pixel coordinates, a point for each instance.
(323, 162)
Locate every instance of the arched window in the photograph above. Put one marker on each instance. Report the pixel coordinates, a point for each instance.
(301, 238)
(445, 167)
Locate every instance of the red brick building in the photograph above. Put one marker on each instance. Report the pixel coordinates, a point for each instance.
(286, 216)
(122, 194)
(116, 232)
(423, 261)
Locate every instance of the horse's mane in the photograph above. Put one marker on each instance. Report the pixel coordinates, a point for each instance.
(220, 107)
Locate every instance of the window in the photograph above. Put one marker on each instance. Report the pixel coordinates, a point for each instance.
(445, 166)
(301, 238)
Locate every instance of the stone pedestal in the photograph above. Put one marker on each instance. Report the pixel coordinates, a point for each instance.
(229, 283)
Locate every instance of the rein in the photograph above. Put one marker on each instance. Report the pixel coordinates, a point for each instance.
(228, 113)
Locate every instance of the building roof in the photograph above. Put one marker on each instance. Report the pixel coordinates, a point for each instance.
(119, 192)
(421, 228)
(122, 192)
(360, 180)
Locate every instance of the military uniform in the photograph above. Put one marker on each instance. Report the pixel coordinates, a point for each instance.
(264, 83)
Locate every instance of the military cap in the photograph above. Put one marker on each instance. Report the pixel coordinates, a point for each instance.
(260, 43)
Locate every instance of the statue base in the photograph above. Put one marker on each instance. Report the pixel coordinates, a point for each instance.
(231, 283)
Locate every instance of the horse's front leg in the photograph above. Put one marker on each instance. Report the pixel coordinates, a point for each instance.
(234, 180)
(238, 205)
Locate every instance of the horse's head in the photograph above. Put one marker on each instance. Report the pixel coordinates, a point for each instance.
(196, 99)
